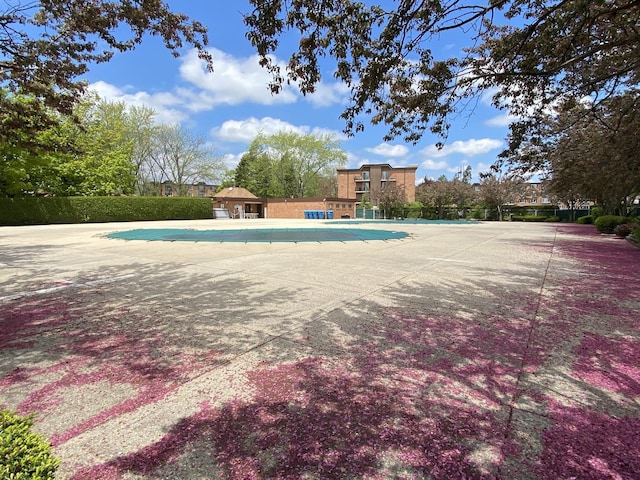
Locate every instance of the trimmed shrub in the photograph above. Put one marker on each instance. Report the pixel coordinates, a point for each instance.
(607, 223)
(47, 210)
(597, 212)
(529, 218)
(552, 219)
(24, 455)
(624, 229)
(586, 219)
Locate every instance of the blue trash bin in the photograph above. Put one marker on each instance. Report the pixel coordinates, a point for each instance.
(330, 214)
(306, 214)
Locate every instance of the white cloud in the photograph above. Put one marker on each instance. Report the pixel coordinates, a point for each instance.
(482, 167)
(244, 131)
(430, 164)
(233, 81)
(386, 150)
(162, 103)
(469, 148)
(326, 94)
(231, 160)
(503, 120)
(354, 160)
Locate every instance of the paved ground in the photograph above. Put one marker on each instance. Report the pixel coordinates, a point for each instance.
(489, 350)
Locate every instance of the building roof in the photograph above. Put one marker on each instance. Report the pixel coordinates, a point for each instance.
(368, 165)
(311, 199)
(234, 192)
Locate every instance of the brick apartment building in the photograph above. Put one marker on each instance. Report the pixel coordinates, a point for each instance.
(533, 194)
(371, 180)
(198, 189)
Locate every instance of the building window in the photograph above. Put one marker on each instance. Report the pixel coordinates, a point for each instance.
(365, 175)
(385, 175)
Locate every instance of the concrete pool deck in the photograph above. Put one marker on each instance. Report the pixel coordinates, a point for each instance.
(213, 313)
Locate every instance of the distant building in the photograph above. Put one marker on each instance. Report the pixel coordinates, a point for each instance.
(198, 189)
(241, 203)
(369, 181)
(533, 194)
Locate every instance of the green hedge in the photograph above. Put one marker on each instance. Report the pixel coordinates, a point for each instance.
(635, 236)
(585, 220)
(47, 210)
(24, 455)
(607, 223)
(530, 218)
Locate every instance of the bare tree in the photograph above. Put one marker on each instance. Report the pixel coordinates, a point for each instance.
(182, 158)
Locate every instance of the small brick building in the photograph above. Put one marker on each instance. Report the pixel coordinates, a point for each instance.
(295, 207)
(241, 203)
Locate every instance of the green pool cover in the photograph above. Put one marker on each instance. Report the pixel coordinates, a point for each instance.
(259, 235)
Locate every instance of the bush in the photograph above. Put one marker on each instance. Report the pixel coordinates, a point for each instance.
(412, 210)
(24, 454)
(555, 218)
(597, 212)
(607, 223)
(529, 218)
(47, 210)
(624, 229)
(587, 219)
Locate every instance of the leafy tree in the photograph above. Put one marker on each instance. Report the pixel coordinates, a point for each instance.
(588, 152)
(99, 160)
(63, 37)
(98, 150)
(289, 164)
(391, 199)
(530, 52)
(21, 167)
(443, 193)
(467, 174)
(182, 158)
(228, 180)
(498, 190)
(254, 172)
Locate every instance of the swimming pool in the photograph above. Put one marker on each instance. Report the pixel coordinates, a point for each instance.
(267, 235)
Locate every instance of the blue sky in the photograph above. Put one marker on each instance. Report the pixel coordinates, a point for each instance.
(231, 105)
